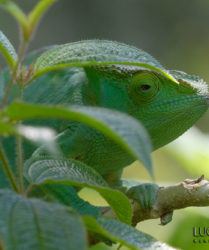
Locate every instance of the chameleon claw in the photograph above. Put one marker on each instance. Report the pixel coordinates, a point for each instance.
(166, 218)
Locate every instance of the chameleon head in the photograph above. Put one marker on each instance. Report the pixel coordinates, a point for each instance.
(143, 89)
(167, 109)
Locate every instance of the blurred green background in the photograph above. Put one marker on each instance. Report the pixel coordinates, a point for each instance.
(174, 32)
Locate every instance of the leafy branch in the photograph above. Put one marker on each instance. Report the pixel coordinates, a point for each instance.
(58, 217)
(27, 26)
(27, 23)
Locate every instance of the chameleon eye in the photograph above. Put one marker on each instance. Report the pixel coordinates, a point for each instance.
(143, 87)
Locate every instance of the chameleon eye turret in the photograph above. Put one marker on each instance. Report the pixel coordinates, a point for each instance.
(143, 87)
(168, 109)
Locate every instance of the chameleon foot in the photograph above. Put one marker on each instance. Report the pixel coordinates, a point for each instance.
(145, 194)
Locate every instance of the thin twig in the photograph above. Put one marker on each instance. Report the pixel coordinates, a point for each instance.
(7, 169)
(28, 189)
(20, 163)
(20, 152)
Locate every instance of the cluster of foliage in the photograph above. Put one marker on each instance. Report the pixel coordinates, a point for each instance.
(39, 206)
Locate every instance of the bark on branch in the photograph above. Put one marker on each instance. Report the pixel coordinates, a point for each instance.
(185, 194)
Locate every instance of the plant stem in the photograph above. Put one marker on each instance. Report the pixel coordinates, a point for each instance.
(20, 163)
(2, 247)
(20, 151)
(28, 189)
(13, 75)
(12, 78)
(27, 26)
(7, 169)
(19, 139)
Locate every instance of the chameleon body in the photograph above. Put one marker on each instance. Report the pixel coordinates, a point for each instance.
(166, 108)
(162, 112)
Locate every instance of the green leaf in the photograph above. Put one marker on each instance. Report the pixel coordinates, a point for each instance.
(8, 50)
(38, 135)
(43, 170)
(68, 196)
(122, 233)
(96, 52)
(4, 1)
(17, 13)
(41, 136)
(34, 224)
(121, 128)
(35, 15)
(6, 128)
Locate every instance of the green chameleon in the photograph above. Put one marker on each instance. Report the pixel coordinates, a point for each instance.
(165, 108)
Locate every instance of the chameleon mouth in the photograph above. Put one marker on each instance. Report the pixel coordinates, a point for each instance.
(163, 131)
(182, 103)
(188, 99)
(194, 104)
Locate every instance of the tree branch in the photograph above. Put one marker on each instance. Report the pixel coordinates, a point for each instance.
(185, 194)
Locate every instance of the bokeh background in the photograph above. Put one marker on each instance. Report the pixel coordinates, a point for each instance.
(174, 32)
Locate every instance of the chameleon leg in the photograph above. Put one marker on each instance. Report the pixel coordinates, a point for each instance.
(144, 193)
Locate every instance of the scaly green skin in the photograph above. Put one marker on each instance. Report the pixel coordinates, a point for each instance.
(165, 108)
(167, 114)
